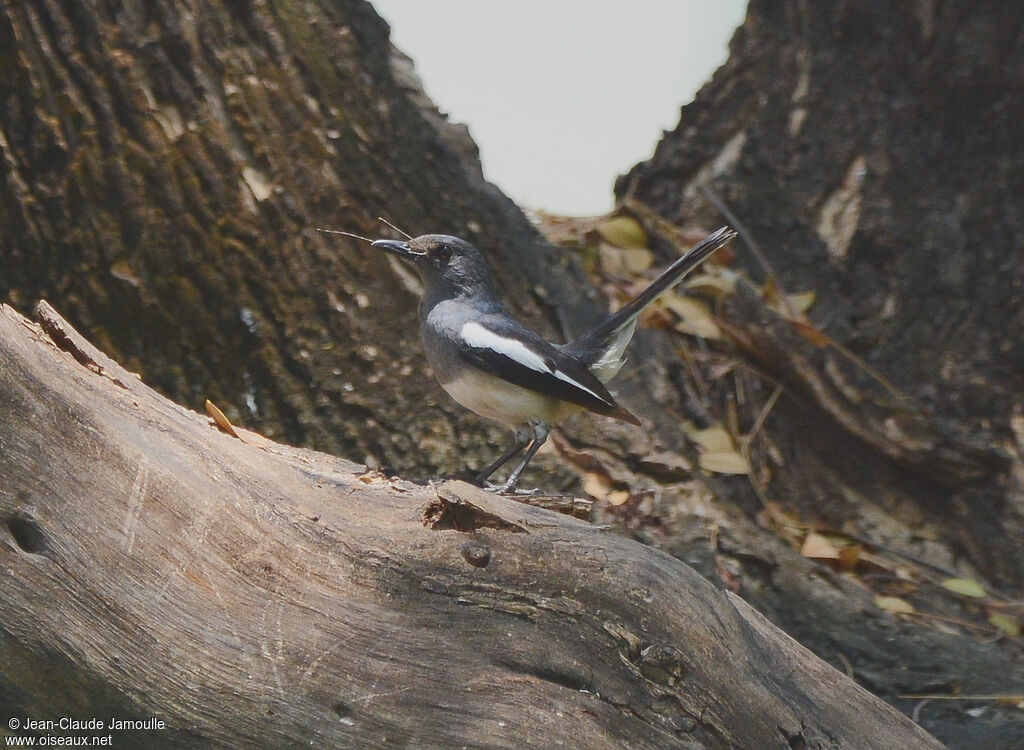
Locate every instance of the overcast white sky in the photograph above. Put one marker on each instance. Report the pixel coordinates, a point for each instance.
(563, 95)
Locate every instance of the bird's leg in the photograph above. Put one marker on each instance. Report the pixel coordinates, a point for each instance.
(522, 436)
(540, 434)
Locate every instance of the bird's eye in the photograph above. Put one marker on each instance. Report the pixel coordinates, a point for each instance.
(444, 252)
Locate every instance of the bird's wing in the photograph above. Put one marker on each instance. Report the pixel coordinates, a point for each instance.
(503, 347)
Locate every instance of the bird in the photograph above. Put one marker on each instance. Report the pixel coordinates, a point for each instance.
(495, 366)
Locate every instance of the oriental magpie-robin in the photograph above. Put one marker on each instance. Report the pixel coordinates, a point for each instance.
(495, 366)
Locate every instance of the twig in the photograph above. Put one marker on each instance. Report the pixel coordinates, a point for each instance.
(1007, 697)
(744, 446)
(847, 666)
(916, 715)
(879, 547)
(703, 392)
(765, 411)
(976, 627)
(879, 377)
(748, 238)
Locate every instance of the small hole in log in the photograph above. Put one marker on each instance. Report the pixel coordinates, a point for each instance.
(27, 532)
(476, 554)
(344, 712)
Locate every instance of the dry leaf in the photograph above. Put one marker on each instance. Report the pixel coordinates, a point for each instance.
(770, 293)
(724, 462)
(218, 417)
(800, 302)
(795, 304)
(964, 587)
(565, 236)
(695, 317)
(705, 329)
(618, 497)
(637, 260)
(712, 439)
(599, 487)
(724, 283)
(818, 547)
(849, 557)
(895, 605)
(617, 261)
(252, 438)
(596, 485)
(623, 231)
(1007, 624)
(686, 308)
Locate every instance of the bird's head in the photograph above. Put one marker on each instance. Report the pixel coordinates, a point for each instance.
(450, 267)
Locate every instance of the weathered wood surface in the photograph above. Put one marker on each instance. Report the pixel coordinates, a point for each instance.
(274, 597)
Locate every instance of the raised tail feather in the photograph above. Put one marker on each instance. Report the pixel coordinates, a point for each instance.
(602, 347)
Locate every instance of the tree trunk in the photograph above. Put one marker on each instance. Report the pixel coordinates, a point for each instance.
(168, 164)
(873, 153)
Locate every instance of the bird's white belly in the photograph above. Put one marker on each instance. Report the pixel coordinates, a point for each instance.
(504, 402)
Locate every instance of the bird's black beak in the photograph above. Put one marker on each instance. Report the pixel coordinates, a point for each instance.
(397, 247)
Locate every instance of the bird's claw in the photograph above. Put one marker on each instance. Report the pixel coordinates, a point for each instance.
(513, 491)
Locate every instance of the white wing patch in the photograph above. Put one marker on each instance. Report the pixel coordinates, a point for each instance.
(479, 337)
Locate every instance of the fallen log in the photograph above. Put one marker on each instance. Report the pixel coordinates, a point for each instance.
(235, 592)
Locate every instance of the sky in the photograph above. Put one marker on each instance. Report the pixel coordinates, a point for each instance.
(562, 96)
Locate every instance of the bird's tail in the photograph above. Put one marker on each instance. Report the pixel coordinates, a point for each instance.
(602, 347)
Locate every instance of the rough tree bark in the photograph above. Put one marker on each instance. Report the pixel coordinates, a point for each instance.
(874, 154)
(167, 164)
(262, 596)
(163, 166)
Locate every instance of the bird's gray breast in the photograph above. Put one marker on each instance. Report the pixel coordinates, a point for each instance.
(439, 329)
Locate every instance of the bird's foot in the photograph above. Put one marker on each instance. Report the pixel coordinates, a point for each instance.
(499, 489)
(513, 491)
(527, 493)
